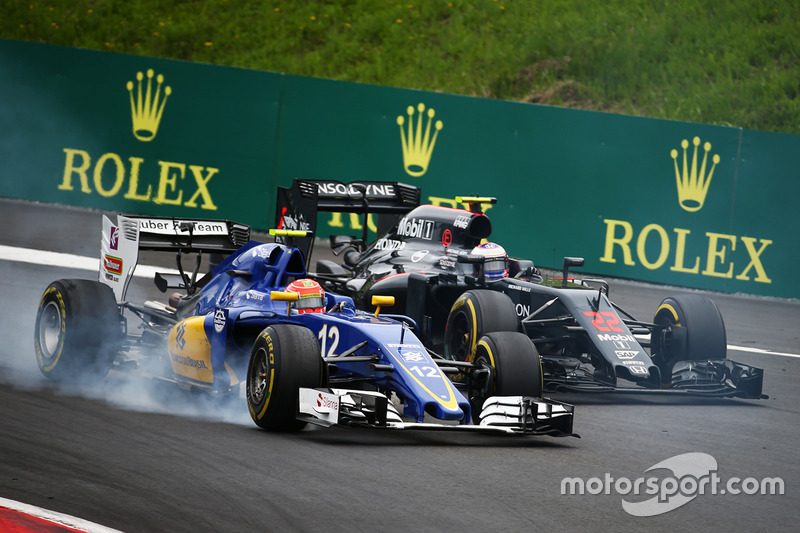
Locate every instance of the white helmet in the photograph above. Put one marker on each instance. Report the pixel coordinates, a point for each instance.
(495, 264)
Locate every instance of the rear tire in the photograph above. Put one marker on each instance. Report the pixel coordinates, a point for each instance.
(515, 368)
(78, 331)
(696, 331)
(474, 314)
(284, 358)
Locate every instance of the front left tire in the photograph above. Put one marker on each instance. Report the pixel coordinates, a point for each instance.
(284, 358)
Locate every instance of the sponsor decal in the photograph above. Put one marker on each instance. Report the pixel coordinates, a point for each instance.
(414, 228)
(180, 336)
(413, 357)
(173, 227)
(518, 288)
(255, 295)
(326, 403)
(188, 361)
(112, 264)
(113, 238)
(624, 338)
(419, 255)
(447, 237)
(418, 146)
(398, 345)
(111, 175)
(293, 222)
(147, 107)
(726, 256)
(261, 252)
(446, 263)
(693, 184)
(389, 244)
(626, 354)
(372, 190)
(461, 221)
(220, 319)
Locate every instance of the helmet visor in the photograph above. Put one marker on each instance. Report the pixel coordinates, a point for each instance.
(495, 268)
(309, 302)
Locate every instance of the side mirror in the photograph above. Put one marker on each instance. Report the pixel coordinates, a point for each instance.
(569, 262)
(284, 296)
(378, 301)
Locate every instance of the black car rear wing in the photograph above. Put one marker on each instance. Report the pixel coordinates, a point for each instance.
(298, 205)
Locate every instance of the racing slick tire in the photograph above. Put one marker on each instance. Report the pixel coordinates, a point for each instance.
(697, 331)
(515, 369)
(78, 330)
(284, 358)
(474, 314)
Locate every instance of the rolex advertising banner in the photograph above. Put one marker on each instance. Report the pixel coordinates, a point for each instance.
(136, 134)
(670, 202)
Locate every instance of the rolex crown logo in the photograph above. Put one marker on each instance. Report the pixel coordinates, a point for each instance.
(418, 148)
(693, 184)
(146, 110)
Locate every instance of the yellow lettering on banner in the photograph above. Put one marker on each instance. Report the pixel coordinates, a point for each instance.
(202, 184)
(70, 168)
(623, 242)
(134, 182)
(168, 179)
(680, 252)
(355, 222)
(716, 253)
(642, 240)
(755, 260)
(336, 220)
(98, 175)
(720, 248)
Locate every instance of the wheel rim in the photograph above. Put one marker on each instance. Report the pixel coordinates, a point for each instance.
(259, 378)
(50, 326)
(459, 340)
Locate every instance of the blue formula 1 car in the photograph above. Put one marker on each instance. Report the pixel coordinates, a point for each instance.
(304, 356)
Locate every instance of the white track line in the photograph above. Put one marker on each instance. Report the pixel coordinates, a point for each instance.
(57, 259)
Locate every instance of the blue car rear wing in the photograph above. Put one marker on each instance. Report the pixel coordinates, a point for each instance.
(122, 240)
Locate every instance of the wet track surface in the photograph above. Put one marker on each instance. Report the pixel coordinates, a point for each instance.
(140, 457)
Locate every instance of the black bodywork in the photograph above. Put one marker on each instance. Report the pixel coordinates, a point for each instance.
(586, 342)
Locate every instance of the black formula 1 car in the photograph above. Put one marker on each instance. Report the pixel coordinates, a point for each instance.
(425, 260)
(246, 321)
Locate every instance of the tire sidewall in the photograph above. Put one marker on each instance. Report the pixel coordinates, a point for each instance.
(90, 332)
(291, 354)
(704, 329)
(476, 313)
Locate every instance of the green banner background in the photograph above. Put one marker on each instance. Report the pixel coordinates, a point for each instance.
(568, 182)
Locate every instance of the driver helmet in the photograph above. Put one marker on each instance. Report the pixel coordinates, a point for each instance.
(312, 297)
(495, 264)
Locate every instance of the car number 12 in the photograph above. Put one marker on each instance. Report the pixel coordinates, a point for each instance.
(425, 371)
(324, 335)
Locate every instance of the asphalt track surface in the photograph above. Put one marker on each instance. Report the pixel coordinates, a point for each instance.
(141, 458)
